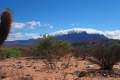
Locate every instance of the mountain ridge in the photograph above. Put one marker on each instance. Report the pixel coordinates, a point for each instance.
(71, 36)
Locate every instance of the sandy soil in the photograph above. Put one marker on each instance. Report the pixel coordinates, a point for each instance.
(29, 69)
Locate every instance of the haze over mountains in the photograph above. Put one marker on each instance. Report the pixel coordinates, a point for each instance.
(71, 35)
(19, 35)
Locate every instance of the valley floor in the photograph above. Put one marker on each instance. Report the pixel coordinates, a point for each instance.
(29, 69)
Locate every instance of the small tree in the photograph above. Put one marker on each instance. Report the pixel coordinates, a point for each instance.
(51, 50)
(106, 55)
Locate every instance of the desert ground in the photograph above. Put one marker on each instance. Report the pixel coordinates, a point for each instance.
(31, 69)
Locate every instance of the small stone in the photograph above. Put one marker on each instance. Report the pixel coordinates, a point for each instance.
(27, 77)
(29, 66)
(79, 73)
(19, 66)
(90, 66)
(19, 62)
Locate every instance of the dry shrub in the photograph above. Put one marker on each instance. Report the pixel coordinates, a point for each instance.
(51, 50)
(106, 55)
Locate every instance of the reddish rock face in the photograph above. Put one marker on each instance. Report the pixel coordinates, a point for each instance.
(5, 25)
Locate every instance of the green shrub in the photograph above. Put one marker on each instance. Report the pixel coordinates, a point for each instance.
(51, 49)
(9, 53)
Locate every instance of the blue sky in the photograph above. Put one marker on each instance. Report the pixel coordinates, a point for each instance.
(54, 15)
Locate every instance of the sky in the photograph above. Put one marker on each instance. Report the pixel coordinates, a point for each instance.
(32, 18)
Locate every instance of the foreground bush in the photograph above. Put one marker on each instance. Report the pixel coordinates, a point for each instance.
(51, 49)
(106, 55)
(9, 53)
(81, 52)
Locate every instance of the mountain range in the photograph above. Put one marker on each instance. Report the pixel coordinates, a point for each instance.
(71, 36)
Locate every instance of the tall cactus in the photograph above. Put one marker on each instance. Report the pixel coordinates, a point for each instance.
(5, 25)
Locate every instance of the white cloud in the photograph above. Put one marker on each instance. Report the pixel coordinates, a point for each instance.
(30, 25)
(23, 36)
(113, 34)
(26, 25)
(48, 25)
(78, 30)
(18, 25)
(33, 24)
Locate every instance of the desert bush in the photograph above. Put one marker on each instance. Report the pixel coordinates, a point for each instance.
(106, 55)
(9, 53)
(26, 51)
(51, 50)
(80, 52)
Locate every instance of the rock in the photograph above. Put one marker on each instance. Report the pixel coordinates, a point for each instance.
(3, 75)
(19, 66)
(105, 73)
(90, 66)
(76, 66)
(27, 77)
(29, 66)
(79, 73)
(19, 62)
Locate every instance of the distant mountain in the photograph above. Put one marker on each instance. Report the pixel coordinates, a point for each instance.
(20, 42)
(71, 36)
(81, 36)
